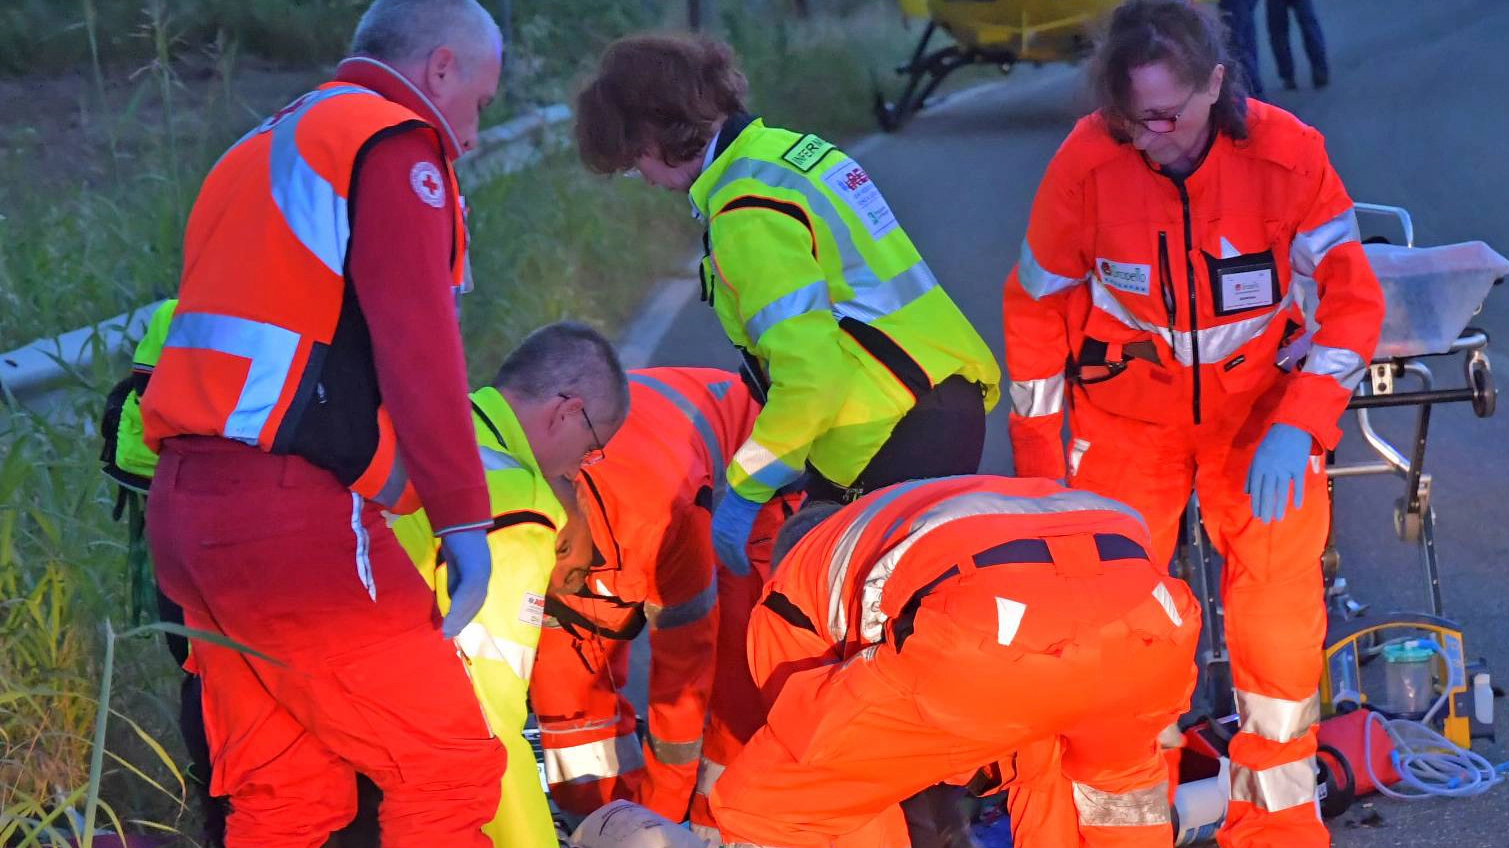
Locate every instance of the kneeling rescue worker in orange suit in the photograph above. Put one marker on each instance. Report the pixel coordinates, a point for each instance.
(637, 551)
(935, 628)
(1161, 261)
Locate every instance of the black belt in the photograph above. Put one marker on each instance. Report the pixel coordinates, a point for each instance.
(1110, 547)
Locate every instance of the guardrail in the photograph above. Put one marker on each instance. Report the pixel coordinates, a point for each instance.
(48, 363)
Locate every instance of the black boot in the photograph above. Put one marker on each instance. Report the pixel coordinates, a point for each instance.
(1289, 84)
(1321, 79)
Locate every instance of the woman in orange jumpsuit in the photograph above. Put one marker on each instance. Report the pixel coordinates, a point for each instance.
(1159, 265)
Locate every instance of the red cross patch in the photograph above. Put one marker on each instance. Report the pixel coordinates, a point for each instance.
(426, 181)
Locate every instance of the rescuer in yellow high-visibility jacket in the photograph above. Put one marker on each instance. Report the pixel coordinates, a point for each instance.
(868, 372)
(557, 400)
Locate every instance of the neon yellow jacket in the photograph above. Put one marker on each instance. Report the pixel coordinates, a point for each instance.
(131, 451)
(499, 645)
(810, 274)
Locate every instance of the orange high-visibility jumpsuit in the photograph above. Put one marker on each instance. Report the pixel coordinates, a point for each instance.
(937, 627)
(1172, 301)
(647, 504)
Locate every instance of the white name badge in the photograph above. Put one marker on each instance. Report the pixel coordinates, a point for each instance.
(1247, 289)
(853, 186)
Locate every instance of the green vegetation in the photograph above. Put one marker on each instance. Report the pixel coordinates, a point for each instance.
(165, 86)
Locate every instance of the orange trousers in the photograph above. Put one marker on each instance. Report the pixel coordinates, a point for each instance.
(1272, 591)
(998, 660)
(735, 709)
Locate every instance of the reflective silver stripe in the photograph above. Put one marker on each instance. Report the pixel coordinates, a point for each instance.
(1165, 599)
(871, 303)
(549, 727)
(478, 643)
(857, 272)
(363, 548)
(313, 209)
(1038, 281)
(1340, 364)
(1275, 789)
(689, 611)
(1034, 398)
(843, 553)
(594, 760)
(1277, 719)
(812, 297)
(965, 505)
(1216, 343)
(496, 460)
(707, 774)
(1310, 248)
(690, 410)
(760, 463)
(708, 834)
(676, 753)
(270, 352)
(1138, 808)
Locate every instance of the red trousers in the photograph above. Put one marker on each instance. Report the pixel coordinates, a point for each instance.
(274, 554)
(1272, 591)
(1102, 660)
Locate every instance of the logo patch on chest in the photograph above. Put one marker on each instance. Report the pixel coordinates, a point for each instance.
(1126, 276)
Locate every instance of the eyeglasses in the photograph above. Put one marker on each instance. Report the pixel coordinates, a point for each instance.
(596, 453)
(1164, 124)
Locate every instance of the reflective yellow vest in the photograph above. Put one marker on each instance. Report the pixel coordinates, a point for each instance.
(813, 278)
(499, 645)
(131, 452)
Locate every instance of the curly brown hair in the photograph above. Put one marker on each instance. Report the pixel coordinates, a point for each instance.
(660, 93)
(1188, 39)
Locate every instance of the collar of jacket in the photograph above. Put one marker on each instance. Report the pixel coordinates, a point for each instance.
(734, 136)
(388, 82)
(500, 428)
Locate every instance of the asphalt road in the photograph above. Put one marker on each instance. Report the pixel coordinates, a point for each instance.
(1417, 115)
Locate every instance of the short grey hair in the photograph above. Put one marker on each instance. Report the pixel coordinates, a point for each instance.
(798, 526)
(402, 31)
(567, 358)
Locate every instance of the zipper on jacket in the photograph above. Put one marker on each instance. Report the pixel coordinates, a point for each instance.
(1194, 315)
(1166, 282)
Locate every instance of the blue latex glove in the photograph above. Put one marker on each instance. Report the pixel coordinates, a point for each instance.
(733, 521)
(468, 566)
(1278, 465)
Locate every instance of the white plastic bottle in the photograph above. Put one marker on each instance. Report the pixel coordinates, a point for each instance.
(1482, 698)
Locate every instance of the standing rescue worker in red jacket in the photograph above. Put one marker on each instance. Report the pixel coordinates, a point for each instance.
(311, 378)
(931, 631)
(637, 550)
(1159, 264)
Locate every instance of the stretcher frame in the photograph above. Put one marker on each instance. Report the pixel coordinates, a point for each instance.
(1414, 517)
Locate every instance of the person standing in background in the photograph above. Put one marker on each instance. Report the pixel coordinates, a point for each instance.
(1240, 17)
(1309, 32)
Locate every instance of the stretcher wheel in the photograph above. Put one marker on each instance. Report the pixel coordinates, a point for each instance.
(1407, 524)
(1480, 377)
